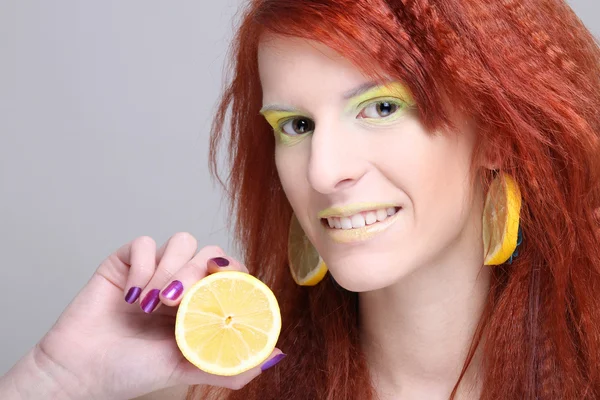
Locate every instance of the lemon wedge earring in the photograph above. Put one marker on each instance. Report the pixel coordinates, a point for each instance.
(306, 265)
(501, 221)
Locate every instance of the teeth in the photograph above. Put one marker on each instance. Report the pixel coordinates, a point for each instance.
(360, 220)
(371, 217)
(346, 223)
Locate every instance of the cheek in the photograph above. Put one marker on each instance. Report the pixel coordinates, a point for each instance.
(283, 171)
(292, 175)
(434, 173)
(443, 191)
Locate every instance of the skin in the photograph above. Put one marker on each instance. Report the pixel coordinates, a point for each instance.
(134, 353)
(421, 280)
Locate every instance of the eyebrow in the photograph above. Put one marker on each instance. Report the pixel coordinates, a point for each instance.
(278, 108)
(365, 87)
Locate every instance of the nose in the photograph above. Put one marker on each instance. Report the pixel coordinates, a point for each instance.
(336, 160)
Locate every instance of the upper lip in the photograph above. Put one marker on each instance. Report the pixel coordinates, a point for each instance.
(351, 209)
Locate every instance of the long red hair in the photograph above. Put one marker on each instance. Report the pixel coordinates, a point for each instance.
(528, 71)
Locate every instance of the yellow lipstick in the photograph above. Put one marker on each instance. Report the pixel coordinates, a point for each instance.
(364, 233)
(351, 209)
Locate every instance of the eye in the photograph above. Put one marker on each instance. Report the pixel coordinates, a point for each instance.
(379, 109)
(298, 126)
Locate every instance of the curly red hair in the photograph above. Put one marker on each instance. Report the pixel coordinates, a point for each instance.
(528, 71)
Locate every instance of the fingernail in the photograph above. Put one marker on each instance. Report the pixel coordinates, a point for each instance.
(173, 291)
(272, 362)
(220, 261)
(150, 301)
(133, 294)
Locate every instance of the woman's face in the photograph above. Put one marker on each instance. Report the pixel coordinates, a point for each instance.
(378, 196)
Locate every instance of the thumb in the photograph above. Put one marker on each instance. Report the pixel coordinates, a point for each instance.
(191, 375)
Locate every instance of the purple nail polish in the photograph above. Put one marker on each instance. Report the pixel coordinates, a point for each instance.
(220, 261)
(133, 294)
(272, 362)
(173, 291)
(150, 301)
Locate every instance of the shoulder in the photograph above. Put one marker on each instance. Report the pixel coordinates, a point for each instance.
(172, 393)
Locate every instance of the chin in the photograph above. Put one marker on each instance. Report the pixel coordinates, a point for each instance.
(366, 274)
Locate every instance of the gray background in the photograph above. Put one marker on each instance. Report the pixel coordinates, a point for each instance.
(105, 109)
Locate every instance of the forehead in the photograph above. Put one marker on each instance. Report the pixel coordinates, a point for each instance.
(286, 63)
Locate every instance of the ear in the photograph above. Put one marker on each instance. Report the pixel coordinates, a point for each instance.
(487, 152)
(490, 154)
(491, 160)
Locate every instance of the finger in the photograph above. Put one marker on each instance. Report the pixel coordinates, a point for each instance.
(189, 274)
(180, 249)
(161, 251)
(191, 375)
(139, 254)
(225, 263)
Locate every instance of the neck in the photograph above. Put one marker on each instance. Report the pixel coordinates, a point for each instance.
(416, 334)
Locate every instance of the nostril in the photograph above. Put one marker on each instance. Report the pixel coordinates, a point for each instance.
(345, 183)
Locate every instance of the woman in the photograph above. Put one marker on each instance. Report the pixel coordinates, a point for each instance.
(350, 107)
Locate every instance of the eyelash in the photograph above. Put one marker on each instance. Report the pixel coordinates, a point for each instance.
(363, 106)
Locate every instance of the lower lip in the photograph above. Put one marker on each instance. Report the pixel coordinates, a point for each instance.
(355, 235)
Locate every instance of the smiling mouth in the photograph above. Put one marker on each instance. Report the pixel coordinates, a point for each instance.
(360, 219)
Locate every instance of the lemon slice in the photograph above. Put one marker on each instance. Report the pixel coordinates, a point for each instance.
(228, 323)
(501, 220)
(307, 267)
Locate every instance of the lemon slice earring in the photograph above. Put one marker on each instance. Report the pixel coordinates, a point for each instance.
(306, 265)
(501, 217)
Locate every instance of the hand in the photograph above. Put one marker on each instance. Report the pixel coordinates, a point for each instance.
(116, 339)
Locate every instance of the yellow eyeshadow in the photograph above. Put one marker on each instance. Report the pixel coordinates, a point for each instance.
(274, 117)
(394, 90)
